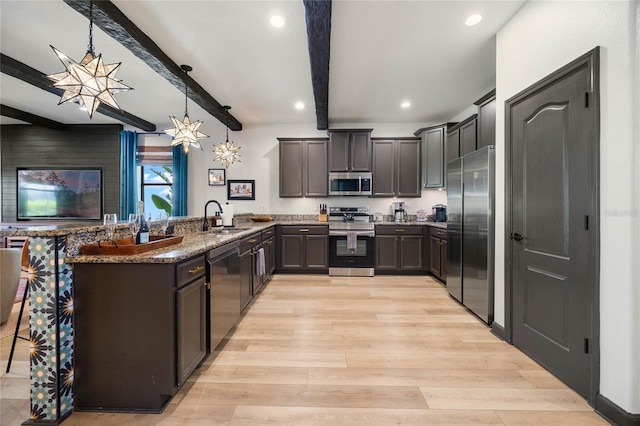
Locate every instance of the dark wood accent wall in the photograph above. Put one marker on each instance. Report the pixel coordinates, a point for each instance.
(75, 146)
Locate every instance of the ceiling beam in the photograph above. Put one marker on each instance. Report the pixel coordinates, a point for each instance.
(318, 16)
(17, 69)
(112, 21)
(7, 111)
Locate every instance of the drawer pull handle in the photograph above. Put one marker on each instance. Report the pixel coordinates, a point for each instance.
(253, 240)
(304, 230)
(196, 270)
(399, 230)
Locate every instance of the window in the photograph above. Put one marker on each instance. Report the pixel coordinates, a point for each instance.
(156, 189)
(155, 175)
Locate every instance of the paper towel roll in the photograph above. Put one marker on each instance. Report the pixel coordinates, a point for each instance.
(227, 215)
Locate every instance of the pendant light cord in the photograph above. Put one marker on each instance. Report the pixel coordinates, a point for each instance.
(90, 47)
(227, 125)
(185, 93)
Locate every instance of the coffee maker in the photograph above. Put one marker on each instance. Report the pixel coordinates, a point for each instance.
(398, 211)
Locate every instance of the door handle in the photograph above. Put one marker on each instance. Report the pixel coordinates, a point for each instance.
(517, 237)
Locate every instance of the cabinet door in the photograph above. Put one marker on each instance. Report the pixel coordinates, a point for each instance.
(316, 175)
(269, 256)
(291, 168)
(317, 252)
(487, 124)
(408, 158)
(433, 158)
(435, 254)
(387, 253)
(443, 260)
(191, 327)
(292, 252)
(411, 253)
(468, 138)
(339, 151)
(384, 168)
(246, 274)
(453, 145)
(360, 152)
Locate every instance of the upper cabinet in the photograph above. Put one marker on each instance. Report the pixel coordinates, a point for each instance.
(396, 167)
(433, 155)
(303, 167)
(487, 119)
(350, 150)
(462, 138)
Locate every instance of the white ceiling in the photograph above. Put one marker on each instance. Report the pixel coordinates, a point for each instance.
(382, 53)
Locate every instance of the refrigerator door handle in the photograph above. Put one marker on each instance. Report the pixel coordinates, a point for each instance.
(517, 237)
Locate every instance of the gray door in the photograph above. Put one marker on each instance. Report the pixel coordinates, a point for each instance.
(552, 208)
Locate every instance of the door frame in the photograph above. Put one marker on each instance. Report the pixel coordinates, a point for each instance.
(591, 60)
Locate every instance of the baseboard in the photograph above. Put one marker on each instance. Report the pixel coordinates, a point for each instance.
(498, 331)
(614, 414)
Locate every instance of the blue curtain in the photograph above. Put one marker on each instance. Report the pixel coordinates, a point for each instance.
(128, 174)
(180, 166)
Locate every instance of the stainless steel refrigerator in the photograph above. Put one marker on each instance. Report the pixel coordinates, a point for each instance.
(470, 231)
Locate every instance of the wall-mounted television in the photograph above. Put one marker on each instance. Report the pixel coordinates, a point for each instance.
(60, 193)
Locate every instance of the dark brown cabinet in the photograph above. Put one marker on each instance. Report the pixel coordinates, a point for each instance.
(192, 315)
(438, 253)
(487, 119)
(350, 150)
(399, 248)
(303, 167)
(250, 281)
(396, 167)
(433, 141)
(468, 137)
(462, 138)
(269, 246)
(142, 327)
(303, 248)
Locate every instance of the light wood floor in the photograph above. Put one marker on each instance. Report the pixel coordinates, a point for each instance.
(318, 350)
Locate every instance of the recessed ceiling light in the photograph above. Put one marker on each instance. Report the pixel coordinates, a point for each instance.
(473, 20)
(299, 105)
(277, 21)
(405, 104)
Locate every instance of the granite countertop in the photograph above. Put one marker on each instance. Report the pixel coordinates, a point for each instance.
(193, 243)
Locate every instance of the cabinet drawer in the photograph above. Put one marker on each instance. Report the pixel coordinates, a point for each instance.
(267, 233)
(189, 270)
(250, 241)
(305, 230)
(439, 233)
(398, 230)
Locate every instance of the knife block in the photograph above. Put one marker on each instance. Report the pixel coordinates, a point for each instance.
(322, 217)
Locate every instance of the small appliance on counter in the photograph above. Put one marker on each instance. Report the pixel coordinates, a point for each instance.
(439, 213)
(399, 213)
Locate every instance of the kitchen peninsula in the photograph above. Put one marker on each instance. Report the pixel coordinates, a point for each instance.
(127, 297)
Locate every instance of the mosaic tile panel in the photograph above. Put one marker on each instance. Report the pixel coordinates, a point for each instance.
(51, 324)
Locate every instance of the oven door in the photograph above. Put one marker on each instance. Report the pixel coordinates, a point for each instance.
(346, 262)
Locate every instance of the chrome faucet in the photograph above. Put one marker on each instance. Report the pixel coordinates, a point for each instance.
(205, 223)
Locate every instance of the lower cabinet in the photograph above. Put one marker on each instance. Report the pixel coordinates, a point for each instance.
(140, 330)
(269, 246)
(250, 282)
(399, 249)
(303, 248)
(438, 253)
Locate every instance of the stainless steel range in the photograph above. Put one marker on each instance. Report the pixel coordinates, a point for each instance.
(351, 242)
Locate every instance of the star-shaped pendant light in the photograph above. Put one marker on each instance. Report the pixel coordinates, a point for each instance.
(226, 153)
(90, 82)
(185, 132)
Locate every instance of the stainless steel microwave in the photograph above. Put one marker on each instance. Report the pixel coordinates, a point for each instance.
(354, 183)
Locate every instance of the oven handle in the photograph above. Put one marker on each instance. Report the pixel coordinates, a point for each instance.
(358, 233)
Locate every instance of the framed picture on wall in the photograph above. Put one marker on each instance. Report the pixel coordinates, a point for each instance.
(216, 177)
(241, 189)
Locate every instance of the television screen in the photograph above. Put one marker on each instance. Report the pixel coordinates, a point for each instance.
(47, 193)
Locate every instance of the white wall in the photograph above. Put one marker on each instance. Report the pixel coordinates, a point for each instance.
(260, 162)
(540, 38)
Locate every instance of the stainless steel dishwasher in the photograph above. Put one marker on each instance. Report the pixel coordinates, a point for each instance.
(224, 292)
